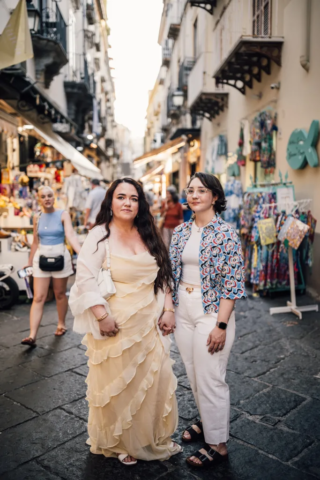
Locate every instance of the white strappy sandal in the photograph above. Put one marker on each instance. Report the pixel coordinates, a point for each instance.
(179, 448)
(122, 458)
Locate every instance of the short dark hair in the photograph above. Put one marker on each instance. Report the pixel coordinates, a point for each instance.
(95, 181)
(212, 183)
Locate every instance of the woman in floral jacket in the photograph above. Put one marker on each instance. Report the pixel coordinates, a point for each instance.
(208, 271)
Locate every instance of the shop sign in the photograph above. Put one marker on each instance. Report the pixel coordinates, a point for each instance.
(301, 149)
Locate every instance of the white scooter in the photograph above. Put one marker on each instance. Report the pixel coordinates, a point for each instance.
(9, 290)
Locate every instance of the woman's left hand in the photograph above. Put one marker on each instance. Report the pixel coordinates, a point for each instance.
(216, 340)
(167, 323)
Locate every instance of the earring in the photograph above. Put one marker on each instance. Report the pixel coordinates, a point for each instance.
(111, 212)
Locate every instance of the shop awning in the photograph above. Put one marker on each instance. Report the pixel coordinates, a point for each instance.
(160, 153)
(158, 170)
(79, 161)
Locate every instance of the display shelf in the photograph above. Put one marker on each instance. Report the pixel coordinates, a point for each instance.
(17, 259)
(12, 221)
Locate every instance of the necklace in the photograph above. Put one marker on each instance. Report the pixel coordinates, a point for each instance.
(199, 229)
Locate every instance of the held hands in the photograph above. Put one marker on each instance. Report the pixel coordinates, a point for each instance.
(216, 340)
(167, 323)
(108, 327)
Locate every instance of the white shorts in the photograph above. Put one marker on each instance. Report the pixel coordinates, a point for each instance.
(52, 251)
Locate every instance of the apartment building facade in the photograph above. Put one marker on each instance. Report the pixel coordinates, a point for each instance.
(227, 63)
(66, 89)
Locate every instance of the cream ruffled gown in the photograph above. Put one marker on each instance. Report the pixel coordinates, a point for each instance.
(131, 385)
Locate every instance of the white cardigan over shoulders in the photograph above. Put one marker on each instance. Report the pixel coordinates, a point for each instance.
(85, 294)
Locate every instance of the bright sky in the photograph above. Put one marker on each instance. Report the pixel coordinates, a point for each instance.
(137, 57)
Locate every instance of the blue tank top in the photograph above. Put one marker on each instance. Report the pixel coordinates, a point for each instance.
(50, 228)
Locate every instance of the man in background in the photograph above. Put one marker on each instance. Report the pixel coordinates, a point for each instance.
(93, 203)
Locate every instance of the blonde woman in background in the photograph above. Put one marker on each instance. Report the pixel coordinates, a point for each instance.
(50, 229)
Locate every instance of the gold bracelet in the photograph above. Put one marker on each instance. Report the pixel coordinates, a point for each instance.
(169, 310)
(102, 317)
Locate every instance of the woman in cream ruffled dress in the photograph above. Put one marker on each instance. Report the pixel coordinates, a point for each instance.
(131, 385)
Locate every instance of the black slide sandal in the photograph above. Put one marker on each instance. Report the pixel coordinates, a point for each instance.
(216, 458)
(195, 436)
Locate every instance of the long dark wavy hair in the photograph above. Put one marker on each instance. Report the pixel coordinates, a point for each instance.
(147, 229)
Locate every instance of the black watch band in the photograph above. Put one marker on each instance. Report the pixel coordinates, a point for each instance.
(222, 325)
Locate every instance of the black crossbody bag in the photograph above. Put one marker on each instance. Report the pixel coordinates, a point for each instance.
(49, 264)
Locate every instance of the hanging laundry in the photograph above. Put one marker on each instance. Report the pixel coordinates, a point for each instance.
(241, 159)
(223, 145)
(215, 161)
(263, 140)
(233, 194)
(246, 137)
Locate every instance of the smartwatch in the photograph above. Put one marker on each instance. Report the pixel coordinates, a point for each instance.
(222, 325)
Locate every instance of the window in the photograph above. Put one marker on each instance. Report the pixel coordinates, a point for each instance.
(261, 17)
(195, 39)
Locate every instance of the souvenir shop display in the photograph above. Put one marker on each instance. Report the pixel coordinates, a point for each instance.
(266, 257)
(216, 155)
(263, 139)
(233, 194)
(293, 234)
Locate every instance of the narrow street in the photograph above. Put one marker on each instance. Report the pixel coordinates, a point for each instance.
(274, 377)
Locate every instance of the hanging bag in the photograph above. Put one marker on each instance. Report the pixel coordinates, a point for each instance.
(293, 232)
(267, 231)
(49, 264)
(105, 282)
(296, 233)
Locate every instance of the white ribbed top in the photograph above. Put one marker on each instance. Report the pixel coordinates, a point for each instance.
(190, 258)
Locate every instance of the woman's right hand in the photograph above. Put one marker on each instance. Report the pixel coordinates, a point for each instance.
(108, 327)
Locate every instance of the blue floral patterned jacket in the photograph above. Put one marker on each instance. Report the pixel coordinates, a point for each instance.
(220, 262)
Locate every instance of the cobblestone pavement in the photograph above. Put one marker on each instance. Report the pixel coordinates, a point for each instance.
(274, 377)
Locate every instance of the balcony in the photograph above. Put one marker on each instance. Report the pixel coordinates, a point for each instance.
(79, 87)
(204, 98)
(19, 69)
(240, 57)
(184, 72)
(166, 53)
(208, 6)
(173, 111)
(90, 13)
(50, 42)
(174, 14)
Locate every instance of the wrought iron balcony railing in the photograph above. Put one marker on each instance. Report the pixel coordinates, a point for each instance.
(77, 72)
(184, 72)
(90, 13)
(52, 25)
(173, 111)
(166, 54)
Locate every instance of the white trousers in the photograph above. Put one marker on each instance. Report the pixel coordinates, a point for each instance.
(206, 372)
